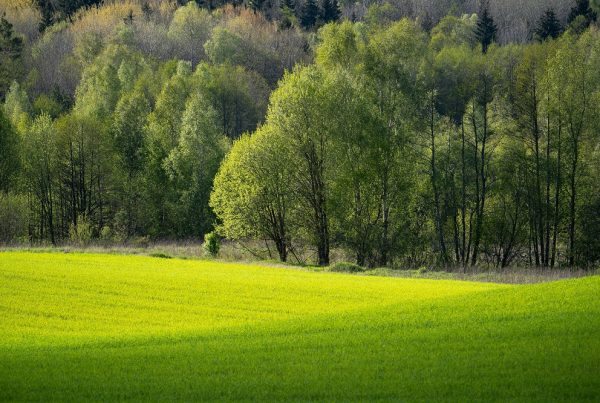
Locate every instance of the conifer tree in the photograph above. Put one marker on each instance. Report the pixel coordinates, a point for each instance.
(288, 4)
(147, 10)
(330, 11)
(256, 5)
(486, 29)
(582, 7)
(47, 14)
(309, 14)
(11, 48)
(548, 26)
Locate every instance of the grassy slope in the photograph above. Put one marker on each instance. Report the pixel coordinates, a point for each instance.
(75, 327)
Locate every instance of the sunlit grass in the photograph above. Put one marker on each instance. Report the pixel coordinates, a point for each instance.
(107, 327)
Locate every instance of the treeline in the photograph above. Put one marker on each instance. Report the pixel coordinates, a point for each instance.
(132, 149)
(408, 149)
(401, 145)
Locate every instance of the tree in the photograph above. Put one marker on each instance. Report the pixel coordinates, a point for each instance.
(486, 29)
(193, 164)
(9, 153)
(164, 125)
(227, 47)
(572, 65)
(582, 8)
(548, 26)
(239, 97)
(11, 47)
(309, 12)
(300, 108)
(84, 164)
(17, 107)
(129, 137)
(330, 11)
(252, 194)
(454, 31)
(47, 12)
(256, 5)
(595, 5)
(288, 14)
(392, 62)
(190, 28)
(40, 172)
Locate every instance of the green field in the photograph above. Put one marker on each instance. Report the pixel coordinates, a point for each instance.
(105, 327)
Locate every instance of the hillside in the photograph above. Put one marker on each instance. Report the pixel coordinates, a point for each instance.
(97, 327)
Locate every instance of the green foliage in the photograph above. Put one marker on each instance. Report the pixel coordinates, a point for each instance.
(11, 48)
(14, 218)
(309, 12)
(401, 148)
(17, 107)
(128, 129)
(582, 8)
(226, 47)
(548, 26)
(486, 27)
(346, 267)
(454, 31)
(212, 244)
(9, 153)
(249, 200)
(239, 97)
(330, 11)
(193, 163)
(340, 44)
(81, 232)
(189, 29)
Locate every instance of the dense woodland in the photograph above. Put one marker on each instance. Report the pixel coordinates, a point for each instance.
(405, 133)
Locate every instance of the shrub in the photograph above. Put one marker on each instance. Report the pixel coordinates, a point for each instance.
(160, 255)
(106, 234)
(81, 233)
(212, 244)
(346, 267)
(14, 217)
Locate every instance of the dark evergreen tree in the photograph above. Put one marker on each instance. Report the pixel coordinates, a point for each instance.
(309, 14)
(11, 48)
(256, 5)
(67, 8)
(147, 11)
(288, 4)
(287, 10)
(582, 7)
(486, 29)
(426, 22)
(548, 26)
(128, 20)
(47, 14)
(330, 11)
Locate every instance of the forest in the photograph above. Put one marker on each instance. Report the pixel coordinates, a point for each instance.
(406, 133)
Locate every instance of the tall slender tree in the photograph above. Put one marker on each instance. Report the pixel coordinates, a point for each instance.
(548, 26)
(330, 11)
(11, 48)
(486, 29)
(309, 14)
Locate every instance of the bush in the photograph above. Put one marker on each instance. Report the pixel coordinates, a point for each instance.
(106, 234)
(14, 218)
(346, 267)
(160, 255)
(81, 234)
(212, 244)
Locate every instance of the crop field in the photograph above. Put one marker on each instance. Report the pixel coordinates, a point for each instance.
(77, 327)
